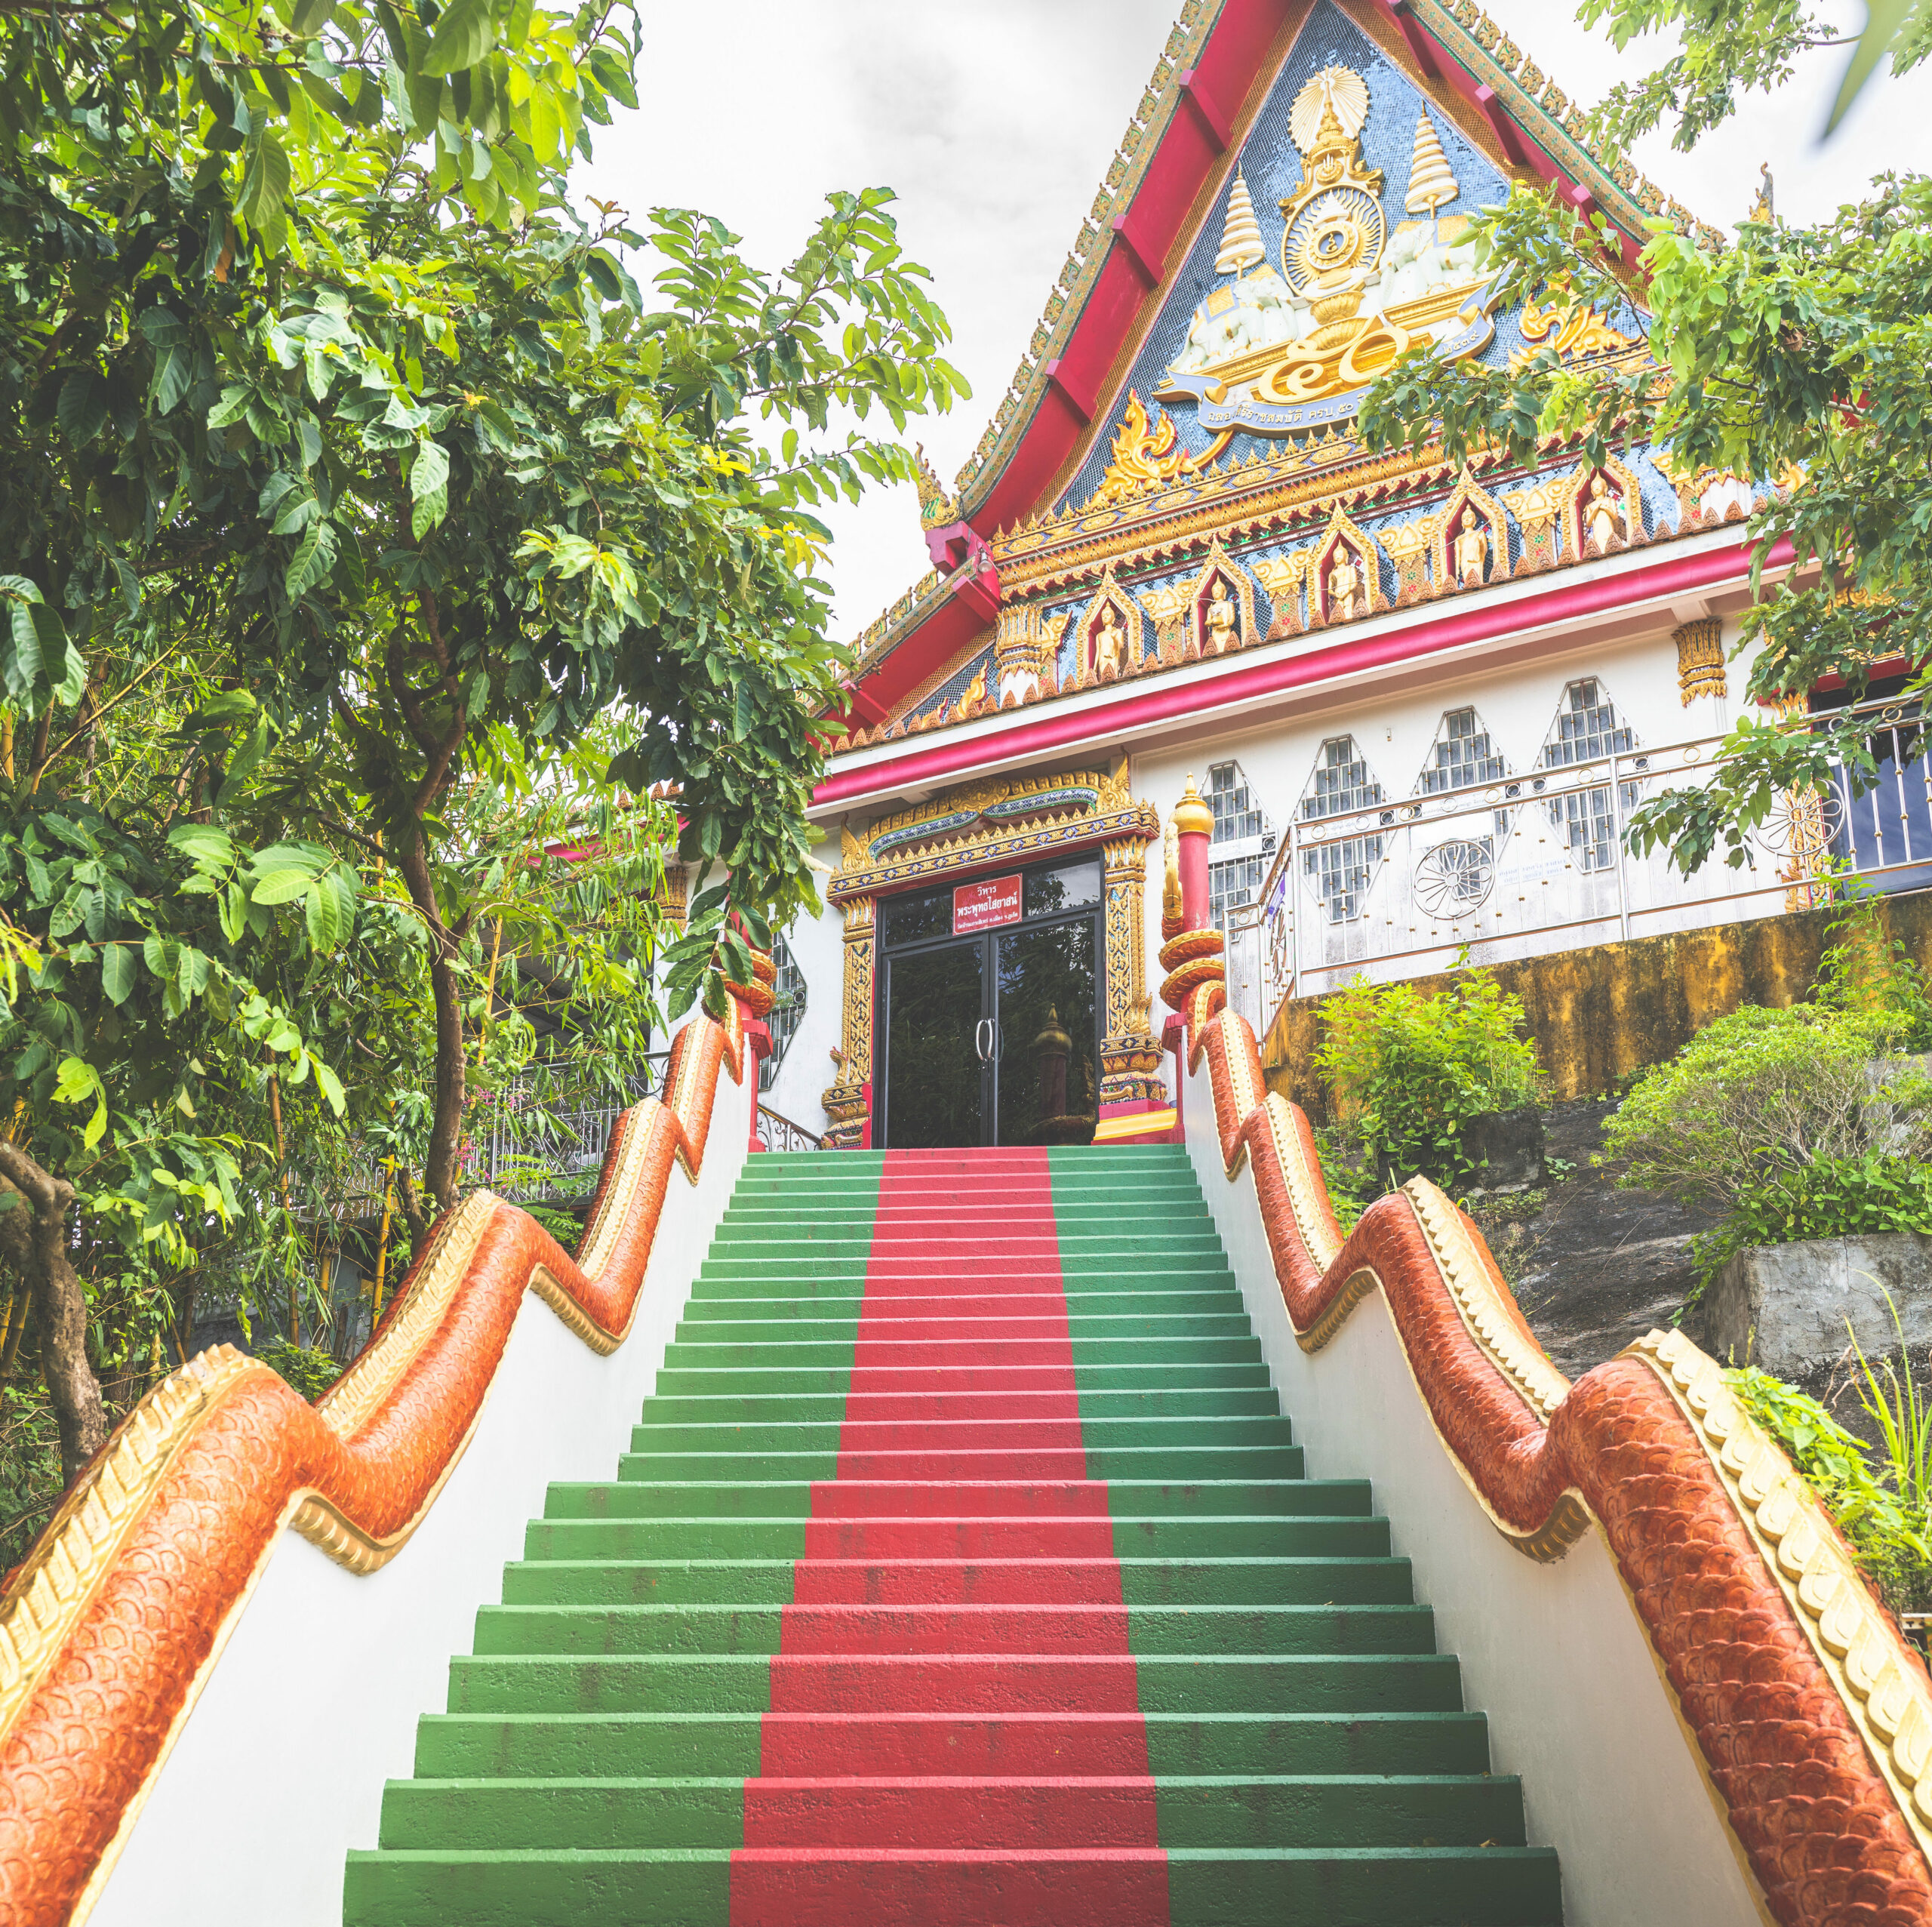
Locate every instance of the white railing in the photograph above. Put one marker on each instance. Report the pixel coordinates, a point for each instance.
(1533, 864)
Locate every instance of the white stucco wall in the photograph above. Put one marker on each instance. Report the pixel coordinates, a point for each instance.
(1554, 1655)
(279, 1769)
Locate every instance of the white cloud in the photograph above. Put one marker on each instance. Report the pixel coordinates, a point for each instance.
(994, 121)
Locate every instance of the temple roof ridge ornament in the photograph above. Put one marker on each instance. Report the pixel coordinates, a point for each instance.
(936, 507)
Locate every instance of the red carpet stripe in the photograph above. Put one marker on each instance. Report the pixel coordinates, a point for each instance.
(955, 1735)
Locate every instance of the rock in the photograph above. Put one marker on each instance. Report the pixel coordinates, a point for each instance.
(1505, 1147)
(1785, 1307)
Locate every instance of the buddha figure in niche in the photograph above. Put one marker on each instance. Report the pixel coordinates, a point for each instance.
(1345, 599)
(1109, 645)
(1220, 619)
(1603, 515)
(1471, 550)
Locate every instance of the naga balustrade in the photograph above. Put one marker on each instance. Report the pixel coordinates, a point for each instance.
(1811, 1711)
(112, 1624)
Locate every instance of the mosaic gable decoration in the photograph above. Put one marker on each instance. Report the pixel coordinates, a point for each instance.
(1278, 353)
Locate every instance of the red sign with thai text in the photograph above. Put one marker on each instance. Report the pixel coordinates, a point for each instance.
(986, 905)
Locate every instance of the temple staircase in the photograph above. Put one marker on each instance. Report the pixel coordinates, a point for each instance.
(963, 1568)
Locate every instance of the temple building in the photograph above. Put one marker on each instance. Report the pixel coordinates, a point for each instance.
(1420, 700)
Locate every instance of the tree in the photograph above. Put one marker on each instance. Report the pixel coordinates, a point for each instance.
(319, 397)
(1797, 356)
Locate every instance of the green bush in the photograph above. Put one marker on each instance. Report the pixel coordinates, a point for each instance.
(1761, 1095)
(309, 1371)
(1887, 1526)
(1409, 1069)
(1870, 974)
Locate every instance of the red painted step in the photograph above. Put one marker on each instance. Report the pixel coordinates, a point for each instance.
(1088, 1811)
(954, 1733)
(898, 1498)
(955, 1582)
(955, 1682)
(991, 1627)
(919, 1887)
(922, 1743)
(1089, 1536)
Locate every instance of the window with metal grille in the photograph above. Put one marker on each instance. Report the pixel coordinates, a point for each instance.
(787, 1011)
(1232, 884)
(1586, 728)
(1236, 815)
(1463, 756)
(1341, 783)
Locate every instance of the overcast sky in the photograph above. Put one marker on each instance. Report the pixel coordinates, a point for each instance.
(994, 121)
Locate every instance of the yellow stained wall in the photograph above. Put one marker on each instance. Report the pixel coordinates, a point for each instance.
(1597, 1014)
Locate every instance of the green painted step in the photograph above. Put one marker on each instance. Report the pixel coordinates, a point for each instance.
(1207, 1887)
(619, 1745)
(740, 1682)
(1190, 1583)
(1225, 1631)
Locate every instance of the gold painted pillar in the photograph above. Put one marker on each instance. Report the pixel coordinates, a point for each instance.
(1129, 1053)
(848, 1105)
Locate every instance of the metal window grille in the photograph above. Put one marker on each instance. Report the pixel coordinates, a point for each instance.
(1463, 756)
(1232, 884)
(1342, 783)
(1586, 728)
(787, 1011)
(1236, 815)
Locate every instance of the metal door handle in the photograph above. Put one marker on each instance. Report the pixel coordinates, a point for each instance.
(982, 1042)
(999, 1039)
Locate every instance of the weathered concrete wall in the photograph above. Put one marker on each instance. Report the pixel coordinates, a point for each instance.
(1785, 1307)
(1598, 1015)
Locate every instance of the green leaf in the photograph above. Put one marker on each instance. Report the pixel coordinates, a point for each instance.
(281, 886)
(331, 1087)
(117, 972)
(265, 185)
(312, 560)
(462, 36)
(76, 1081)
(1884, 21)
(429, 487)
(81, 411)
(203, 845)
(322, 913)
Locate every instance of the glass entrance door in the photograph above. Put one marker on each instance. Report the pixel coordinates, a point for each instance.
(992, 1038)
(1048, 1081)
(936, 1074)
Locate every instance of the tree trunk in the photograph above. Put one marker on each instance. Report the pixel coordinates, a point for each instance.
(440, 1177)
(33, 1240)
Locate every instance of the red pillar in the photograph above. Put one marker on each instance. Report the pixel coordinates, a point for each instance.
(1194, 821)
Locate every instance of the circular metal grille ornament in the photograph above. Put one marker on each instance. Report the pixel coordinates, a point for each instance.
(1802, 823)
(1454, 877)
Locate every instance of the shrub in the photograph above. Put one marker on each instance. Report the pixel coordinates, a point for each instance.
(309, 1371)
(1410, 1070)
(1762, 1095)
(1883, 1517)
(1870, 974)
(1829, 1198)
